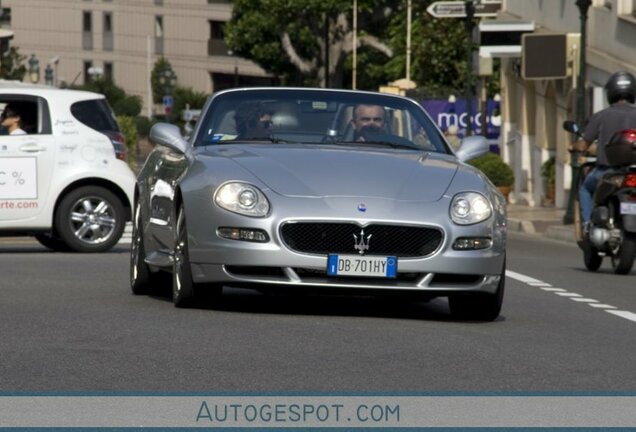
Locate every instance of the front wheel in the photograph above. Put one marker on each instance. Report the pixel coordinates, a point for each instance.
(479, 306)
(90, 219)
(623, 260)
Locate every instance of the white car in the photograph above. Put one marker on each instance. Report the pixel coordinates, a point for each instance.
(66, 180)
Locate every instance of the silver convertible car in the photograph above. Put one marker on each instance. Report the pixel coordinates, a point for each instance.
(330, 190)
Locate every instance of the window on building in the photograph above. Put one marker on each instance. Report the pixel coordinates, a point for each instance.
(216, 29)
(87, 21)
(108, 71)
(87, 30)
(108, 31)
(159, 2)
(216, 43)
(5, 17)
(159, 34)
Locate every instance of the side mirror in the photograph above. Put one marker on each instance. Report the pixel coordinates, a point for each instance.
(472, 147)
(168, 135)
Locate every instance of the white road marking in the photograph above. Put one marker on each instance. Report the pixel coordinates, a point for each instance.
(522, 278)
(126, 237)
(624, 314)
(602, 306)
(544, 286)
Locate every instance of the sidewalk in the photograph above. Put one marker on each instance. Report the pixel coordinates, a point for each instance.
(544, 221)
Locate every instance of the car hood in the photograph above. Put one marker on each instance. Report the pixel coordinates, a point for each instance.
(319, 171)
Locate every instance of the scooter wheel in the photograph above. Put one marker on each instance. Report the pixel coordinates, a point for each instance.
(623, 261)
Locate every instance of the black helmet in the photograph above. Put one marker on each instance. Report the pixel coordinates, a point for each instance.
(621, 85)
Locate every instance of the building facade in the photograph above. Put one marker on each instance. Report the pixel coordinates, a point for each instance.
(534, 110)
(122, 39)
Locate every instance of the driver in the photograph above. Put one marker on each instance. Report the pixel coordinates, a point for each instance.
(368, 120)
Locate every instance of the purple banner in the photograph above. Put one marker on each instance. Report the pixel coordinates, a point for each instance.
(446, 113)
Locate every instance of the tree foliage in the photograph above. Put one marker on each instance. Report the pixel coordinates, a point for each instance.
(121, 103)
(288, 37)
(438, 46)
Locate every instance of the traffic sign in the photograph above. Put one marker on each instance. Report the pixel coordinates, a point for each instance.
(168, 101)
(457, 9)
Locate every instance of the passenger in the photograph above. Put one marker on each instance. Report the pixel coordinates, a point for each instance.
(253, 121)
(367, 121)
(11, 120)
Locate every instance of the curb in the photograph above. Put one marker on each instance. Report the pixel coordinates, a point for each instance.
(555, 232)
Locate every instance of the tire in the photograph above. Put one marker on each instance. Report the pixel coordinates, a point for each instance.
(182, 284)
(90, 219)
(591, 258)
(185, 293)
(623, 261)
(54, 243)
(142, 279)
(479, 306)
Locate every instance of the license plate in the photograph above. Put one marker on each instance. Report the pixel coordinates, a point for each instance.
(360, 265)
(628, 208)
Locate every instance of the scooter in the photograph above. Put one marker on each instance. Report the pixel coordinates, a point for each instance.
(612, 232)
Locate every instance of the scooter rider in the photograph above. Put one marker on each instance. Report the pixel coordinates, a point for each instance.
(620, 115)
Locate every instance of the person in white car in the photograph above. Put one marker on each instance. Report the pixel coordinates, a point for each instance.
(11, 120)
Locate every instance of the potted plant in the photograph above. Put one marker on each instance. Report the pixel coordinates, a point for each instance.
(497, 171)
(548, 172)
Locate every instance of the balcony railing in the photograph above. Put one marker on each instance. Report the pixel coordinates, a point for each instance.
(217, 47)
(87, 40)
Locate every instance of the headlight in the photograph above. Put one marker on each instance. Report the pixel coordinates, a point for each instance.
(242, 198)
(469, 208)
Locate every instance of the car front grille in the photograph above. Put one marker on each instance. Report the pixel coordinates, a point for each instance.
(338, 238)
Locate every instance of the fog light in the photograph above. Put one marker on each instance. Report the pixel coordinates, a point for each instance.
(472, 243)
(244, 234)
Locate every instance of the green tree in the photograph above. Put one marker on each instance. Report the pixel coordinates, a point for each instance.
(122, 104)
(289, 38)
(263, 30)
(12, 65)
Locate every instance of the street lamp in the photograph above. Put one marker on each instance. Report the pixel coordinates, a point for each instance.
(168, 80)
(34, 69)
(469, 25)
(584, 6)
(236, 75)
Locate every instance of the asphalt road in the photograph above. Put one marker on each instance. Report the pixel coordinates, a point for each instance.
(70, 323)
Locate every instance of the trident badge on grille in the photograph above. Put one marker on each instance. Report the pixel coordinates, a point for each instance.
(363, 244)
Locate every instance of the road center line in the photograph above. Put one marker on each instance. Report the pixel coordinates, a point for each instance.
(536, 283)
(602, 306)
(623, 314)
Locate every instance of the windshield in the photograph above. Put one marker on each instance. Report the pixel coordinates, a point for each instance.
(318, 117)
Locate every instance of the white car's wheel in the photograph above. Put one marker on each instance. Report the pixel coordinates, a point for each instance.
(90, 219)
